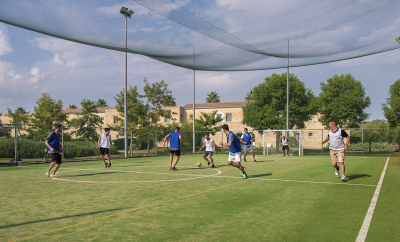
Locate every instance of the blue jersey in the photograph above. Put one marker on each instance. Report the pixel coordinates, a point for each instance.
(235, 146)
(174, 140)
(246, 138)
(54, 141)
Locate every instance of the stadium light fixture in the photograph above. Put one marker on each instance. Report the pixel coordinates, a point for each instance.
(127, 13)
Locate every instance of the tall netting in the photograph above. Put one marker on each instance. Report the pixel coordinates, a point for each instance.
(244, 35)
(273, 142)
(7, 145)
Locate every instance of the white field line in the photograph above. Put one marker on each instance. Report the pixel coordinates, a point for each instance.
(362, 235)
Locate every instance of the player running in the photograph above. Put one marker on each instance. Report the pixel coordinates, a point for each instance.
(285, 145)
(235, 148)
(210, 148)
(246, 139)
(55, 149)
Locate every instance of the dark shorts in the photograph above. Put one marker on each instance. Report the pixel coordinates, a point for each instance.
(176, 152)
(208, 153)
(104, 151)
(285, 147)
(56, 157)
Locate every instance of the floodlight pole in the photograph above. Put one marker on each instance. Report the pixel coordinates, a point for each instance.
(194, 102)
(287, 90)
(125, 96)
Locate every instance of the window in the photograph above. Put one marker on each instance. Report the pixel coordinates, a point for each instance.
(166, 119)
(117, 136)
(115, 120)
(153, 121)
(102, 118)
(228, 117)
(181, 117)
(310, 134)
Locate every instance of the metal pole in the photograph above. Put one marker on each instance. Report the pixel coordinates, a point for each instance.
(131, 142)
(264, 142)
(62, 142)
(155, 132)
(16, 144)
(287, 91)
(322, 145)
(194, 102)
(362, 140)
(125, 96)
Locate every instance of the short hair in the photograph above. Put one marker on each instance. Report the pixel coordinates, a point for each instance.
(207, 134)
(177, 128)
(245, 129)
(333, 121)
(225, 127)
(57, 125)
(107, 129)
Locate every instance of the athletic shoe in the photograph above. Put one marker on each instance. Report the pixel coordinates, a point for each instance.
(170, 167)
(212, 166)
(244, 159)
(174, 169)
(241, 173)
(109, 165)
(343, 177)
(337, 172)
(284, 155)
(106, 165)
(209, 163)
(244, 176)
(255, 161)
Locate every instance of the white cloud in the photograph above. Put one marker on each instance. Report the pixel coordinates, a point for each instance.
(5, 44)
(58, 60)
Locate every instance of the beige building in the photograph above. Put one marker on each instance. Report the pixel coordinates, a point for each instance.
(231, 113)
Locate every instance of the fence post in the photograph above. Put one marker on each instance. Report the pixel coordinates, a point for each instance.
(131, 143)
(362, 140)
(156, 143)
(16, 144)
(322, 145)
(62, 142)
(263, 142)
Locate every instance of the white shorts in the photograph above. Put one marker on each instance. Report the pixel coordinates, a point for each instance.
(236, 157)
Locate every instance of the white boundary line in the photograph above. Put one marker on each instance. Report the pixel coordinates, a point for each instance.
(362, 235)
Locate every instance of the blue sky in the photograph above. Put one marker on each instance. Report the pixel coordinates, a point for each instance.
(32, 63)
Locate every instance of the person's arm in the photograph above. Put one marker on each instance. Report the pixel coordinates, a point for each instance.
(180, 137)
(253, 138)
(326, 140)
(241, 140)
(288, 143)
(344, 134)
(49, 137)
(229, 143)
(165, 138)
(98, 142)
(111, 145)
(201, 147)
(215, 147)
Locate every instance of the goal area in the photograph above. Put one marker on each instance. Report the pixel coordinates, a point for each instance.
(272, 142)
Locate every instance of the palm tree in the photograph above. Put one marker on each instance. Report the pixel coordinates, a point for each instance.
(212, 97)
(72, 106)
(250, 95)
(101, 103)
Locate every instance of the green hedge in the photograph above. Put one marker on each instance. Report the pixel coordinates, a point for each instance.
(29, 149)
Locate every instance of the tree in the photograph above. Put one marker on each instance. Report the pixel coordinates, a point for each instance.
(47, 112)
(4, 131)
(72, 106)
(20, 116)
(249, 96)
(101, 103)
(209, 121)
(268, 108)
(88, 121)
(212, 97)
(391, 108)
(136, 111)
(343, 99)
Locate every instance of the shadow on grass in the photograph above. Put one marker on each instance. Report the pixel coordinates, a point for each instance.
(58, 218)
(101, 173)
(260, 175)
(356, 176)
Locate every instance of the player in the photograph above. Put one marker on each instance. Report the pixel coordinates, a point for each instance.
(337, 146)
(174, 147)
(210, 148)
(105, 144)
(246, 139)
(285, 145)
(55, 149)
(235, 148)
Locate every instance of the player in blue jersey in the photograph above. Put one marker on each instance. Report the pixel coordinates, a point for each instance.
(247, 140)
(174, 147)
(54, 148)
(235, 149)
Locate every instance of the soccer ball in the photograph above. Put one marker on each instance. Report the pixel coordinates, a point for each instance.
(198, 164)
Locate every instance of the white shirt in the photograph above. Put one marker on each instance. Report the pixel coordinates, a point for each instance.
(285, 142)
(209, 144)
(105, 141)
(336, 139)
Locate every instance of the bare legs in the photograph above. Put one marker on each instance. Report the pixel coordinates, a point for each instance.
(237, 165)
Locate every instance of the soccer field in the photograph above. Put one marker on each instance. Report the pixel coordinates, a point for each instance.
(140, 199)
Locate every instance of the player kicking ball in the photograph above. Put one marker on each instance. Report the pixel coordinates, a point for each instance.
(210, 148)
(105, 144)
(235, 149)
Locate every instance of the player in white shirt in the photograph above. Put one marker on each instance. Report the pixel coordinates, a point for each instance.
(285, 145)
(210, 148)
(105, 144)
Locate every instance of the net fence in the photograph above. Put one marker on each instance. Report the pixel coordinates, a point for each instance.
(26, 143)
(245, 35)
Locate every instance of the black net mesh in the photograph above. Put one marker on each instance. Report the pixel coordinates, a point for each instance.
(231, 36)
